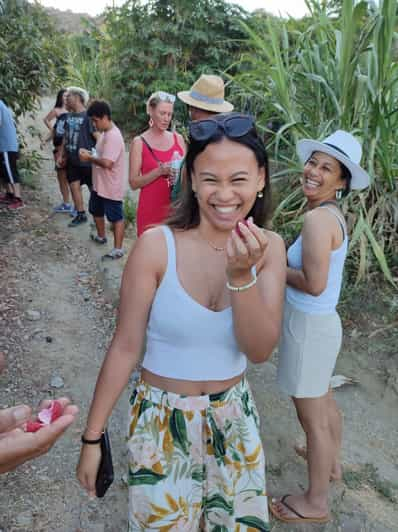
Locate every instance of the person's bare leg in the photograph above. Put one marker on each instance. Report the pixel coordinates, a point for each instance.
(17, 190)
(77, 195)
(336, 429)
(63, 185)
(118, 234)
(100, 225)
(335, 425)
(3, 361)
(313, 415)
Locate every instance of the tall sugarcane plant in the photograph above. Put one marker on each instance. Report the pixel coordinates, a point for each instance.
(335, 69)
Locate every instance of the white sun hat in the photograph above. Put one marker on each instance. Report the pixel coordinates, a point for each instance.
(342, 146)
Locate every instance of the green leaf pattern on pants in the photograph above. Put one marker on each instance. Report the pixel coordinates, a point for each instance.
(179, 430)
(196, 457)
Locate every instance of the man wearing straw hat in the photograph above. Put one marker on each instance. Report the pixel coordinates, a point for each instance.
(206, 97)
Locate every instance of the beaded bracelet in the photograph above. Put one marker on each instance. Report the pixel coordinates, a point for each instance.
(244, 287)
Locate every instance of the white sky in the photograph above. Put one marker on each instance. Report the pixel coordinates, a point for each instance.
(295, 8)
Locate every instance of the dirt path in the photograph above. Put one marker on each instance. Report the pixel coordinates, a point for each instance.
(57, 316)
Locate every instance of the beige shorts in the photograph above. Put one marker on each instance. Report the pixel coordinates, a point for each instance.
(308, 351)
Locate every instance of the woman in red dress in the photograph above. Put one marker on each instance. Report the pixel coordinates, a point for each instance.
(150, 162)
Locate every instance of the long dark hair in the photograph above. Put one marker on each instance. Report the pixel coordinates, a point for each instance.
(185, 210)
(59, 102)
(346, 175)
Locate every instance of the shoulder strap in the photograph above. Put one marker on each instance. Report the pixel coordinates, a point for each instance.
(176, 143)
(176, 139)
(171, 249)
(150, 149)
(340, 219)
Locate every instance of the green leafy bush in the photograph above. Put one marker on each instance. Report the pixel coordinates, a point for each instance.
(129, 211)
(163, 45)
(30, 52)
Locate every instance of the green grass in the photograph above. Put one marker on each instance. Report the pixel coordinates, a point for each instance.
(29, 165)
(130, 211)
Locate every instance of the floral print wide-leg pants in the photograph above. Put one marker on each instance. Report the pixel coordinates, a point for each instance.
(196, 462)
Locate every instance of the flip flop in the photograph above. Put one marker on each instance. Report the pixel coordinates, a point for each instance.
(299, 519)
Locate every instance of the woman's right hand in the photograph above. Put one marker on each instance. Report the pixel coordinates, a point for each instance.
(87, 468)
(165, 169)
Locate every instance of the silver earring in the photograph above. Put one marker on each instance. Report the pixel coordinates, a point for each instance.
(150, 122)
(339, 194)
(260, 194)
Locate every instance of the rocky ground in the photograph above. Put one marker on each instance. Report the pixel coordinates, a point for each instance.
(56, 322)
(57, 312)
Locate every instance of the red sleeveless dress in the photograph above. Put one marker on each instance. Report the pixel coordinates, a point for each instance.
(154, 202)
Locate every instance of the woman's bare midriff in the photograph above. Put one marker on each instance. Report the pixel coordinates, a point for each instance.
(188, 387)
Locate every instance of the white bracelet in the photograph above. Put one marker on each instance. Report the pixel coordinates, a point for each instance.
(244, 287)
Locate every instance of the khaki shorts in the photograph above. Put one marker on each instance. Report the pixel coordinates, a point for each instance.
(196, 462)
(308, 351)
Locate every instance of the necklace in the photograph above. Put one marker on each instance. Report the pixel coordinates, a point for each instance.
(216, 248)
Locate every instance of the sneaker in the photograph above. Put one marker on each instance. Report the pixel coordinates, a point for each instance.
(98, 240)
(16, 203)
(80, 218)
(7, 197)
(64, 208)
(114, 254)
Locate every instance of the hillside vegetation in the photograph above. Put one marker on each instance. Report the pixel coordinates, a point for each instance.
(336, 68)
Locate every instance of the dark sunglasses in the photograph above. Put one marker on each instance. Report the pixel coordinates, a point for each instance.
(233, 126)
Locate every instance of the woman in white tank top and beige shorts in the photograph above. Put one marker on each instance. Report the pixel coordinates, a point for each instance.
(207, 292)
(311, 332)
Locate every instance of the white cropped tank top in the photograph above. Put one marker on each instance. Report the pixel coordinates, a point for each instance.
(326, 302)
(186, 340)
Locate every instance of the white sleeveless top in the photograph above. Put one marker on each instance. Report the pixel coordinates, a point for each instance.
(326, 302)
(186, 340)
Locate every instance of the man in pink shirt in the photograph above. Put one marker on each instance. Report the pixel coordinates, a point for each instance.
(107, 160)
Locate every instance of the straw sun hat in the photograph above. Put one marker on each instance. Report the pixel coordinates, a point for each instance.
(207, 93)
(342, 146)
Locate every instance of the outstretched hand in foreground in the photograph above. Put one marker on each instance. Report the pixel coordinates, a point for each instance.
(18, 446)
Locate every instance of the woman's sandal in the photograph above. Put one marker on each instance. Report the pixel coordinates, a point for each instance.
(299, 519)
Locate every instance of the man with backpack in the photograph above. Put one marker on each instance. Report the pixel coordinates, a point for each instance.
(79, 133)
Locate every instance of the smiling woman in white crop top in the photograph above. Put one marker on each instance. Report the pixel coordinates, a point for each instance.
(208, 295)
(311, 333)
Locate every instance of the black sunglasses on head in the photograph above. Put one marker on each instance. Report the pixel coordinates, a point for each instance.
(233, 125)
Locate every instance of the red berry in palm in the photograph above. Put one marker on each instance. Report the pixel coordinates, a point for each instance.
(33, 426)
(56, 410)
(45, 417)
